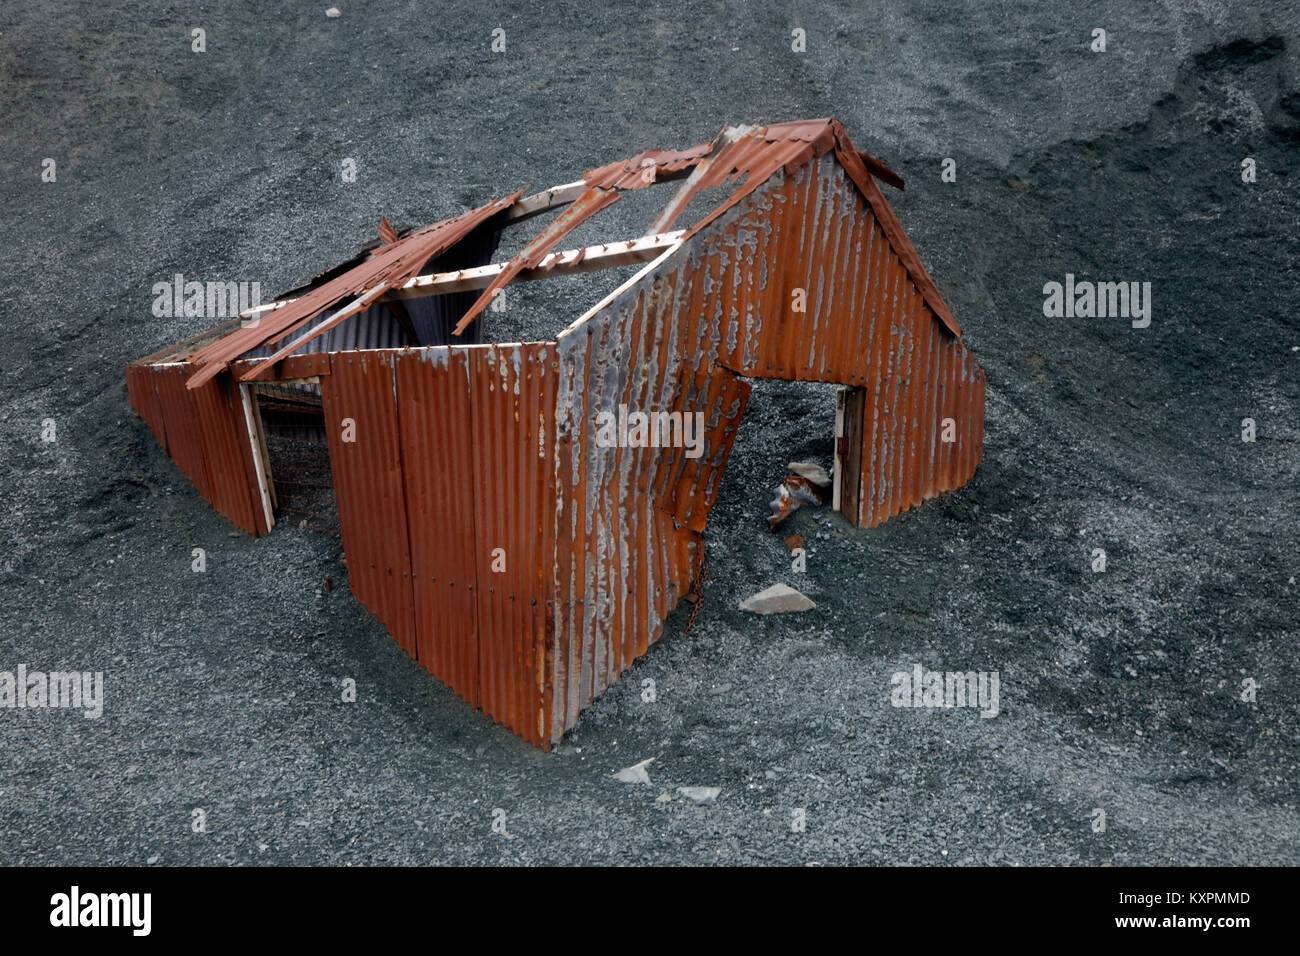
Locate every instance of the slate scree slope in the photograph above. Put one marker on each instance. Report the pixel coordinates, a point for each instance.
(532, 595)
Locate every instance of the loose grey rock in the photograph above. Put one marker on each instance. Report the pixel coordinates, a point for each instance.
(700, 795)
(635, 773)
(810, 470)
(778, 599)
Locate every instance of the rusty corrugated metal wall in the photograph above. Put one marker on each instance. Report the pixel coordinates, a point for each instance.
(228, 454)
(438, 467)
(446, 506)
(143, 396)
(631, 518)
(205, 432)
(366, 458)
(184, 439)
(512, 397)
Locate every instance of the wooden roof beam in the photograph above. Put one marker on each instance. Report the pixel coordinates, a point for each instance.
(606, 256)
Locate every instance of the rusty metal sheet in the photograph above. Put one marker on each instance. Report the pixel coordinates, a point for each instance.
(143, 394)
(177, 351)
(866, 319)
(512, 399)
(477, 451)
(696, 489)
(306, 366)
(572, 440)
(614, 515)
(884, 214)
(205, 433)
(368, 488)
(220, 420)
(180, 422)
(437, 434)
(391, 266)
(631, 173)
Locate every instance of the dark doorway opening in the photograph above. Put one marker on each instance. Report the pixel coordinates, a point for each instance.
(292, 424)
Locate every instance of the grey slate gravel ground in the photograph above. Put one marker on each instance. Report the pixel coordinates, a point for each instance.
(1120, 690)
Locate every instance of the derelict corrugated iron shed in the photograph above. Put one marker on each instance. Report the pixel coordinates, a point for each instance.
(532, 597)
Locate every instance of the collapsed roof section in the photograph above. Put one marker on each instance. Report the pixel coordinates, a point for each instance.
(393, 274)
(561, 568)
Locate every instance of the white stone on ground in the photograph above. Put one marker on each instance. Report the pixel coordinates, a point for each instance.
(778, 599)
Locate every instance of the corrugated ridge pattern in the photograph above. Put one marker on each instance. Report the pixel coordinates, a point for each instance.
(512, 399)
(723, 304)
(866, 324)
(226, 449)
(143, 394)
(631, 518)
(464, 467)
(368, 487)
(205, 433)
(184, 440)
(438, 473)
